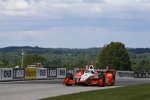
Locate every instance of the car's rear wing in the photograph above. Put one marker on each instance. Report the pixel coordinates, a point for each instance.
(107, 71)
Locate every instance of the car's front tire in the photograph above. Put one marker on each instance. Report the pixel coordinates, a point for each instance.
(69, 76)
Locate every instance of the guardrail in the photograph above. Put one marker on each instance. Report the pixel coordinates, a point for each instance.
(7, 74)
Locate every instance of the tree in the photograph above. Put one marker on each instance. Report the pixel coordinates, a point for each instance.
(116, 56)
(4, 63)
(34, 59)
(142, 66)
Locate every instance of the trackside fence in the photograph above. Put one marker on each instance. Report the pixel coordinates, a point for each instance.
(124, 74)
(10, 74)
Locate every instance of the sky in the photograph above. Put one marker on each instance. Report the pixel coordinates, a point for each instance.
(74, 23)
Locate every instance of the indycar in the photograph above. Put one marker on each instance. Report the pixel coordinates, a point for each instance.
(90, 76)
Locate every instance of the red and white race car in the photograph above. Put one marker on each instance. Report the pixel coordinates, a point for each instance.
(90, 76)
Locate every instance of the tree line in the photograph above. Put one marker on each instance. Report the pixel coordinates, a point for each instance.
(138, 59)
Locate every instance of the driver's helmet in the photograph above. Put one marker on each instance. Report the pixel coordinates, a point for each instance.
(91, 69)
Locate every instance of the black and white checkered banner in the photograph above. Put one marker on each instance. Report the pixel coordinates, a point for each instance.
(52, 72)
(141, 75)
(41, 73)
(61, 72)
(0, 74)
(6, 73)
(19, 73)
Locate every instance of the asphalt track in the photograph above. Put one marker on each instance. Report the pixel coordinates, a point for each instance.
(37, 89)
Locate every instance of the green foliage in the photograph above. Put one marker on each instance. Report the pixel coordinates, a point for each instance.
(33, 59)
(59, 57)
(141, 62)
(4, 63)
(116, 56)
(63, 57)
(142, 66)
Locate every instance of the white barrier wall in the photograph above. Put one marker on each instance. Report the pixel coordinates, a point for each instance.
(124, 74)
(6, 73)
(61, 72)
(41, 73)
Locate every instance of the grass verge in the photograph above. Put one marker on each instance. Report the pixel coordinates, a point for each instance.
(137, 92)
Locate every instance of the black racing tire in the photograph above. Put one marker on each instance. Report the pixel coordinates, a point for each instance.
(68, 84)
(101, 77)
(70, 77)
(76, 82)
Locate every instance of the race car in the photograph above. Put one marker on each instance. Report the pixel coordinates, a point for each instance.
(90, 76)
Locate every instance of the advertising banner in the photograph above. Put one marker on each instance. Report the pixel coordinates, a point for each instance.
(30, 73)
(52, 72)
(61, 72)
(135, 75)
(6, 73)
(41, 73)
(139, 75)
(18, 73)
(0, 74)
(143, 75)
(148, 75)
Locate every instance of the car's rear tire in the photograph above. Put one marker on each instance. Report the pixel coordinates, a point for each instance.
(69, 76)
(113, 83)
(101, 80)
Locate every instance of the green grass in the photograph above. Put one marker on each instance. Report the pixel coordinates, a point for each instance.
(137, 92)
